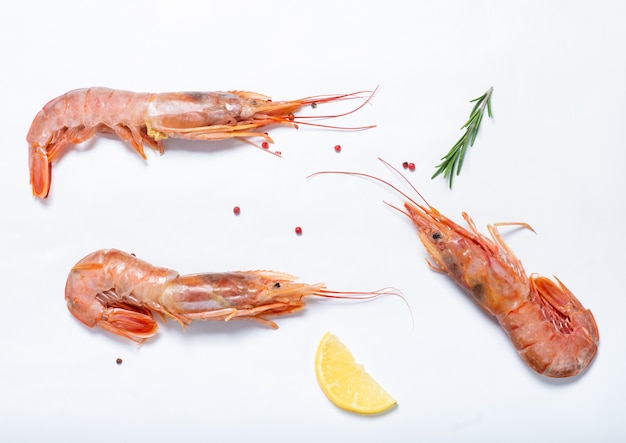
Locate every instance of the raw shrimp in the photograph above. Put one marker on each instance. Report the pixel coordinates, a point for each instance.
(119, 292)
(551, 330)
(139, 118)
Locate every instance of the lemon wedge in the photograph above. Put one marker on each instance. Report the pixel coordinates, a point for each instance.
(345, 382)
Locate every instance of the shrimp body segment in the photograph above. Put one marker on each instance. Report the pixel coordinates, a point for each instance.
(119, 293)
(149, 118)
(551, 330)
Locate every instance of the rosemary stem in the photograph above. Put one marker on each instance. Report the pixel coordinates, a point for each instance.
(454, 158)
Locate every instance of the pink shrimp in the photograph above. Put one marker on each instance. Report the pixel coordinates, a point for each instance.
(119, 292)
(551, 330)
(139, 118)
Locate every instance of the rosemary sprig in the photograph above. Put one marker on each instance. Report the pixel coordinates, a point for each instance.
(454, 158)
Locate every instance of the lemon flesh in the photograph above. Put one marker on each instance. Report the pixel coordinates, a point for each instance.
(345, 382)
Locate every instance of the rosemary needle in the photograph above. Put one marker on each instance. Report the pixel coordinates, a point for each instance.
(454, 158)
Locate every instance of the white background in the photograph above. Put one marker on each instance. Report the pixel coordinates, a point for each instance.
(553, 156)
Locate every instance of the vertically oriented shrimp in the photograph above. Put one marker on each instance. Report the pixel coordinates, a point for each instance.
(551, 330)
(119, 292)
(139, 118)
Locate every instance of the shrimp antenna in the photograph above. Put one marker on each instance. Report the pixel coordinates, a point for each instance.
(324, 98)
(397, 171)
(378, 179)
(359, 294)
(368, 296)
(353, 95)
(334, 97)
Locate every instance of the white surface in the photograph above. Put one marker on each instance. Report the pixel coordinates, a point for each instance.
(553, 156)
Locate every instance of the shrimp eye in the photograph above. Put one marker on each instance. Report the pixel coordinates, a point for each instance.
(436, 235)
(277, 285)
